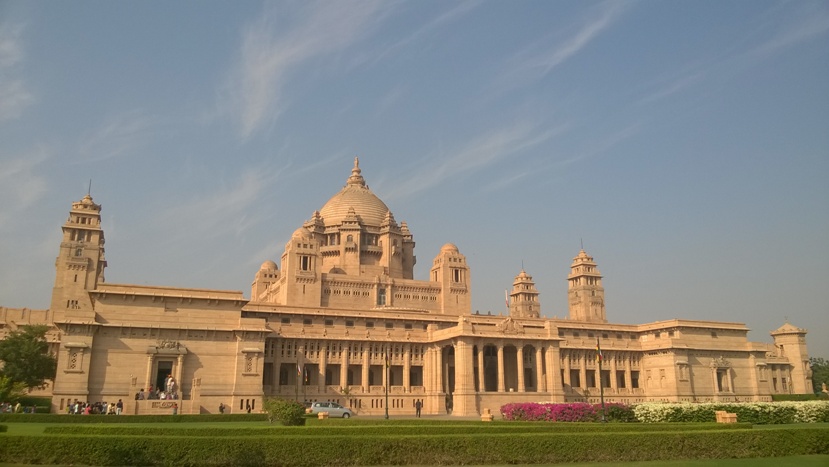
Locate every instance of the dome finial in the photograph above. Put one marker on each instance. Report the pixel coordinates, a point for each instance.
(356, 178)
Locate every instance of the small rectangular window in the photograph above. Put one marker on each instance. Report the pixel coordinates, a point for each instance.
(369, 324)
(306, 321)
(590, 334)
(575, 334)
(329, 322)
(389, 325)
(604, 336)
(349, 323)
(285, 321)
(407, 326)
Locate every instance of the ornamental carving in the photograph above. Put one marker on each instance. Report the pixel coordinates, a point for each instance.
(720, 362)
(509, 326)
(167, 344)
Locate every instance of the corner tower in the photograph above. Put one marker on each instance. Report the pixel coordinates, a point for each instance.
(524, 297)
(585, 293)
(790, 342)
(80, 264)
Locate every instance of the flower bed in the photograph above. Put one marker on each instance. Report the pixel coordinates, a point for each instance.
(574, 412)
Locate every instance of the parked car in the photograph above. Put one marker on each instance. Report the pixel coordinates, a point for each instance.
(334, 409)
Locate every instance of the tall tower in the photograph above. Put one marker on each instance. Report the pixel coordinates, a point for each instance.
(791, 344)
(524, 297)
(80, 264)
(450, 271)
(585, 293)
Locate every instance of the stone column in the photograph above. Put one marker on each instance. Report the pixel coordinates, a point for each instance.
(464, 396)
(540, 380)
(567, 368)
(366, 365)
(519, 362)
(481, 375)
(554, 380)
(500, 367)
(323, 367)
(148, 380)
(628, 375)
(613, 385)
(179, 365)
(344, 365)
(407, 367)
(583, 370)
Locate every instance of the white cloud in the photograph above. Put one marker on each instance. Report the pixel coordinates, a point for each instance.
(489, 148)
(272, 50)
(21, 184)
(539, 60)
(14, 95)
(809, 24)
(118, 136)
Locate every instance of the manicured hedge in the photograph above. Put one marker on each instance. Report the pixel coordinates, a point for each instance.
(758, 413)
(419, 450)
(62, 418)
(794, 397)
(379, 428)
(3, 428)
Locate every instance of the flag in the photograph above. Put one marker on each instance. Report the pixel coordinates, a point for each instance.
(298, 370)
(506, 298)
(599, 357)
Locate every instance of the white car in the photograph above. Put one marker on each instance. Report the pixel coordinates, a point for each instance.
(334, 409)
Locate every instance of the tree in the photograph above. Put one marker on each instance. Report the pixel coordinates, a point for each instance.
(11, 391)
(26, 358)
(820, 373)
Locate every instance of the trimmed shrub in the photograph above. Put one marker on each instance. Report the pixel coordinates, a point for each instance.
(794, 397)
(83, 419)
(284, 411)
(758, 413)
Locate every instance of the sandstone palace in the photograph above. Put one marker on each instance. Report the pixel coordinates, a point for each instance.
(341, 317)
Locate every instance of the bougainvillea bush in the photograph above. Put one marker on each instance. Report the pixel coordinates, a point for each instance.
(574, 412)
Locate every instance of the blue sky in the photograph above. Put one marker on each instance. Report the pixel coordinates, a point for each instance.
(685, 143)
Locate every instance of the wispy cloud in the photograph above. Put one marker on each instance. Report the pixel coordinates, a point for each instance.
(539, 60)
(807, 23)
(443, 19)
(14, 94)
(225, 211)
(117, 137)
(272, 50)
(21, 183)
(487, 149)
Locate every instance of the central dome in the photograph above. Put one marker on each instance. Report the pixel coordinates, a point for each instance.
(355, 194)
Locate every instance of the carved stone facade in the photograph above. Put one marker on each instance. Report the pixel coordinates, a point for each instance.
(342, 318)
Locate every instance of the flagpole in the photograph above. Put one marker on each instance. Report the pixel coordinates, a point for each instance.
(601, 386)
(298, 378)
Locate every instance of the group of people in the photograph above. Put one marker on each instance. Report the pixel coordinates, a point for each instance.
(169, 391)
(95, 408)
(7, 407)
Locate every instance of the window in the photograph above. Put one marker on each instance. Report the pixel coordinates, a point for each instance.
(285, 320)
(590, 334)
(670, 334)
(714, 334)
(575, 334)
(306, 321)
(329, 323)
(305, 263)
(618, 336)
(369, 324)
(604, 336)
(381, 297)
(79, 252)
(389, 325)
(349, 323)
(634, 379)
(407, 326)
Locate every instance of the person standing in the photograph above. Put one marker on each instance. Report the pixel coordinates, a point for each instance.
(119, 407)
(175, 408)
(418, 406)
